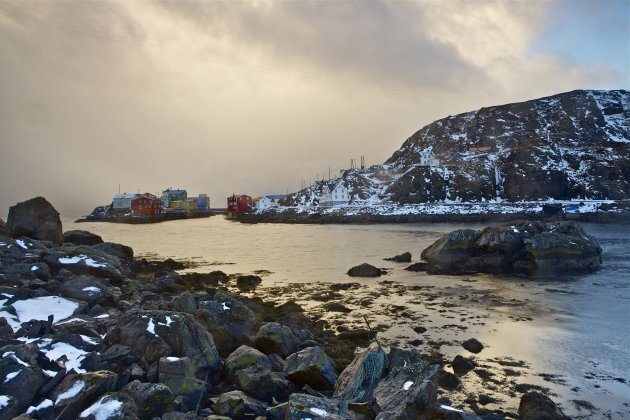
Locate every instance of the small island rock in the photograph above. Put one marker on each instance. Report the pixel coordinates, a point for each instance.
(365, 270)
(35, 218)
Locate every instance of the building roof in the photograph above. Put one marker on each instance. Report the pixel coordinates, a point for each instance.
(171, 191)
(125, 195)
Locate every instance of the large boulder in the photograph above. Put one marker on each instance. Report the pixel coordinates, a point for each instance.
(20, 375)
(365, 270)
(86, 288)
(242, 358)
(237, 404)
(534, 406)
(77, 392)
(35, 218)
(81, 237)
(305, 406)
(83, 259)
(409, 388)
(312, 367)
(229, 320)
(152, 400)
(112, 406)
(276, 338)
(155, 334)
(519, 247)
(358, 380)
(178, 374)
(3, 227)
(262, 383)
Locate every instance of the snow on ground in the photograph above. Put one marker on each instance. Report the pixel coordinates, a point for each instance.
(74, 355)
(318, 411)
(22, 244)
(407, 385)
(151, 326)
(71, 393)
(14, 357)
(87, 260)
(91, 289)
(44, 404)
(4, 401)
(104, 409)
(41, 307)
(11, 376)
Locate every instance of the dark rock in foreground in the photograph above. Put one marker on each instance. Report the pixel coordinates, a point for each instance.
(521, 248)
(365, 270)
(3, 227)
(35, 218)
(535, 406)
(248, 282)
(472, 345)
(404, 257)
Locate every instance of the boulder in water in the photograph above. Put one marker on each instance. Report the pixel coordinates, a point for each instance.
(365, 270)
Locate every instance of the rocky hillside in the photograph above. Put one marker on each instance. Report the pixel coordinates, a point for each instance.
(574, 145)
(568, 146)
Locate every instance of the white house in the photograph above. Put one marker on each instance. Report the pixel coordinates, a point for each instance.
(427, 158)
(334, 194)
(268, 201)
(123, 201)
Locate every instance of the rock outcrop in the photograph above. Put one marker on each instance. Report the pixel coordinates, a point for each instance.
(530, 248)
(35, 218)
(365, 270)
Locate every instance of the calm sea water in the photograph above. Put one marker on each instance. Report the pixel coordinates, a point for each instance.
(573, 334)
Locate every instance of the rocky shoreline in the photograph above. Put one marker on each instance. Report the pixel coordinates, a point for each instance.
(618, 213)
(89, 331)
(137, 220)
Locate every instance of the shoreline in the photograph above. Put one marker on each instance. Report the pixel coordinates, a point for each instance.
(136, 220)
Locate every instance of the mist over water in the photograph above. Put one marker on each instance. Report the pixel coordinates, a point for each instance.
(571, 334)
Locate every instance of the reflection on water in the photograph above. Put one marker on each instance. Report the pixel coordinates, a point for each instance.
(571, 336)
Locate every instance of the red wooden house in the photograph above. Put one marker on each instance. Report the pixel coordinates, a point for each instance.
(239, 203)
(146, 205)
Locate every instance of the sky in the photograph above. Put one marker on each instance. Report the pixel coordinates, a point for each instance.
(259, 97)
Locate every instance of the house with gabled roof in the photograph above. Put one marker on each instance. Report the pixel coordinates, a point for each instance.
(268, 201)
(334, 193)
(123, 201)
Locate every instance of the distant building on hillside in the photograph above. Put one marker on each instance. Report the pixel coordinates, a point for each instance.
(268, 201)
(427, 158)
(122, 202)
(334, 193)
(146, 205)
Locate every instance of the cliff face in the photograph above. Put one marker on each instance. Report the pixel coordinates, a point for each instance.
(567, 146)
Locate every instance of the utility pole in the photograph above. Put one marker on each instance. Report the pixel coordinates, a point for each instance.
(329, 173)
(362, 162)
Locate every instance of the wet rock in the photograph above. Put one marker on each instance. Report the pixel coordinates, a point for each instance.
(358, 380)
(262, 383)
(520, 247)
(409, 388)
(311, 366)
(420, 330)
(472, 345)
(365, 270)
(336, 307)
(152, 400)
(248, 282)
(244, 357)
(404, 257)
(535, 405)
(237, 404)
(276, 338)
(81, 237)
(447, 380)
(419, 266)
(462, 365)
(76, 392)
(35, 218)
(304, 406)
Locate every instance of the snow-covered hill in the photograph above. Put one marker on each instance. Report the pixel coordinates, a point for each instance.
(574, 145)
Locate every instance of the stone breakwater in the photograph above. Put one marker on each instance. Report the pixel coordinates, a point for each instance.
(89, 331)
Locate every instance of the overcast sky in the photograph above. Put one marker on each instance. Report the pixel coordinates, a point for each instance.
(256, 97)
